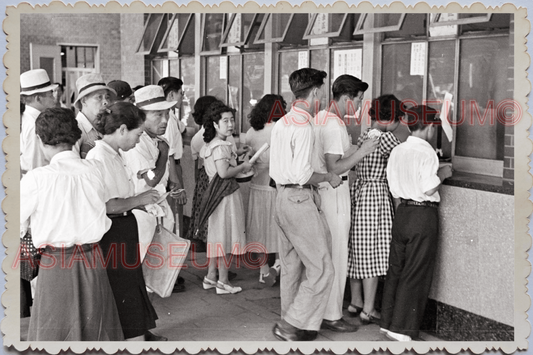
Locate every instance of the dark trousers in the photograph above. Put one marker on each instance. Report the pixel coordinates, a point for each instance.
(411, 263)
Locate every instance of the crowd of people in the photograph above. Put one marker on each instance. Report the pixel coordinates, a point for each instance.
(97, 180)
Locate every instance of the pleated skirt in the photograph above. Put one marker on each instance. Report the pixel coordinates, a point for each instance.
(73, 299)
(261, 228)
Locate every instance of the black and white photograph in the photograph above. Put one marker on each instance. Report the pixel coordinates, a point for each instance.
(342, 177)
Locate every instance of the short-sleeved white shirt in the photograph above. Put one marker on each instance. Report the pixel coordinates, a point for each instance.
(31, 155)
(66, 202)
(412, 170)
(331, 137)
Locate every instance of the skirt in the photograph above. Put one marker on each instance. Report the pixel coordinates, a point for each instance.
(261, 228)
(73, 299)
(120, 246)
(199, 189)
(225, 234)
(370, 230)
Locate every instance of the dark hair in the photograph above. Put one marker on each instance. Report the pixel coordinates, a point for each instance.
(28, 99)
(169, 84)
(348, 85)
(386, 109)
(200, 107)
(117, 114)
(137, 87)
(419, 117)
(214, 114)
(302, 81)
(264, 111)
(59, 85)
(57, 126)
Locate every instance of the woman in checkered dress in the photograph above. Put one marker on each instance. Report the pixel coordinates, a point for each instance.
(372, 210)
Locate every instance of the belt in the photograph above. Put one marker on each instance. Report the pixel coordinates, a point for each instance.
(298, 186)
(344, 178)
(418, 203)
(119, 215)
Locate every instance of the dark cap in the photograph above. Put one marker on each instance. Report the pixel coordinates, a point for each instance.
(122, 88)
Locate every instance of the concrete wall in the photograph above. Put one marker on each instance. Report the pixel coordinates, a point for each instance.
(475, 262)
(92, 29)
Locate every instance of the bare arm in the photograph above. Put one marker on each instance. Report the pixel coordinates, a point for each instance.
(119, 205)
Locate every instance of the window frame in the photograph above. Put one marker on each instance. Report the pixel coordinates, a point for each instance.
(460, 21)
(190, 19)
(214, 52)
(285, 31)
(138, 51)
(247, 36)
(359, 30)
(307, 35)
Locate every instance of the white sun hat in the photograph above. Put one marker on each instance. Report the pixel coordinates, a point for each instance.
(89, 83)
(35, 81)
(152, 98)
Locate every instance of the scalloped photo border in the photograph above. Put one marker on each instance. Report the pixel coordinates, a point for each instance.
(10, 325)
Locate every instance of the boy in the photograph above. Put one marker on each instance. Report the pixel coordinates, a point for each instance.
(414, 178)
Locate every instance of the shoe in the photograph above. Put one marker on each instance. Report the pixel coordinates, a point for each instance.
(353, 310)
(339, 325)
(286, 335)
(208, 284)
(269, 279)
(178, 288)
(368, 318)
(224, 289)
(294, 334)
(398, 336)
(149, 336)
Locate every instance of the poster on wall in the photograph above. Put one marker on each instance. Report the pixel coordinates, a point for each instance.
(303, 59)
(349, 61)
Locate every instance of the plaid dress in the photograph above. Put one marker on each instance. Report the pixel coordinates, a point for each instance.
(372, 212)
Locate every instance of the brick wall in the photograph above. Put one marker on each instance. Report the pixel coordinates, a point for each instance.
(508, 159)
(133, 67)
(52, 29)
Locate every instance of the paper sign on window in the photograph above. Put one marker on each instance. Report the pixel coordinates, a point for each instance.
(223, 68)
(418, 58)
(303, 59)
(348, 61)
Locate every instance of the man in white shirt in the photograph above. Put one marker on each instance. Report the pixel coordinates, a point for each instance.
(93, 97)
(306, 266)
(36, 92)
(149, 160)
(173, 89)
(334, 153)
(414, 177)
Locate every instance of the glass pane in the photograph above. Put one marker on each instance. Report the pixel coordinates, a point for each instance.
(275, 26)
(150, 32)
(327, 23)
(414, 25)
(216, 81)
(498, 22)
(440, 81)
(253, 84)
(288, 64)
(253, 34)
(178, 24)
(234, 93)
(80, 57)
(159, 70)
(89, 57)
(239, 28)
(174, 68)
(71, 56)
(483, 84)
(187, 75)
(319, 60)
(396, 76)
(386, 20)
(213, 31)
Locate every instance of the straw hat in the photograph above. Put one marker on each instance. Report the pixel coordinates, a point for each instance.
(152, 98)
(89, 83)
(35, 81)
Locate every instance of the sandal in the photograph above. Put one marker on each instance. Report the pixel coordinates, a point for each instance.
(368, 318)
(356, 312)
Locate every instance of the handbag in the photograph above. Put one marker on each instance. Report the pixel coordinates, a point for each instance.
(163, 261)
(29, 258)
